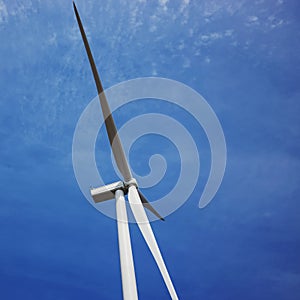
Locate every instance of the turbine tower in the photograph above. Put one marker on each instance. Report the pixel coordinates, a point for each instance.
(117, 190)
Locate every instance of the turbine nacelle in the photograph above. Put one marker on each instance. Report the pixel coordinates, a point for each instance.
(107, 192)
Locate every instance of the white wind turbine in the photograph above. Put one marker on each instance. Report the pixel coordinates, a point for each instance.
(117, 190)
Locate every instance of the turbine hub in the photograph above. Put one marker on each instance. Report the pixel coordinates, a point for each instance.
(130, 182)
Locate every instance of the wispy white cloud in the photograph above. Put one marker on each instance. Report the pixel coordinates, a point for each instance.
(228, 32)
(184, 5)
(210, 37)
(275, 22)
(52, 39)
(136, 20)
(186, 63)
(207, 60)
(3, 12)
(252, 20)
(163, 4)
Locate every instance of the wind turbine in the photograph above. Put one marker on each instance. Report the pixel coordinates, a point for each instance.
(117, 190)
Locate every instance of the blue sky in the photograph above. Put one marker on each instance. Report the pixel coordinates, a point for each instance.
(242, 56)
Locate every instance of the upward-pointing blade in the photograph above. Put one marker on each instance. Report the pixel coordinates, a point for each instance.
(111, 129)
(146, 230)
(113, 136)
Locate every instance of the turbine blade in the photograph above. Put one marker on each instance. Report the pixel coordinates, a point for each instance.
(146, 230)
(149, 206)
(88, 51)
(111, 129)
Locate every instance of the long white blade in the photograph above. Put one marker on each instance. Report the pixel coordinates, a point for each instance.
(144, 226)
(126, 259)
